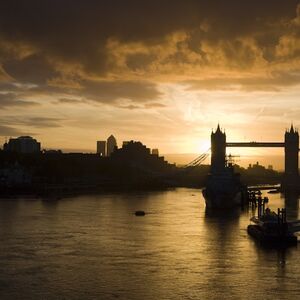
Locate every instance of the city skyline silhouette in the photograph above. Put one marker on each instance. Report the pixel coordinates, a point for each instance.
(103, 69)
(149, 150)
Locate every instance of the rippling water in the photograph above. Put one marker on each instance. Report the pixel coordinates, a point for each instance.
(93, 247)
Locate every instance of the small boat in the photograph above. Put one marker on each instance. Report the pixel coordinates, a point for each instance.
(139, 213)
(271, 228)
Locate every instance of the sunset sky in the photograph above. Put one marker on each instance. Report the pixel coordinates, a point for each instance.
(162, 72)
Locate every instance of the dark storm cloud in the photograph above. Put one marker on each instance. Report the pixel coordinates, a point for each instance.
(11, 99)
(110, 91)
(90, 91)
(77, 30)
(33, 68)
(67, 21)
(41, 41)
(139, 61)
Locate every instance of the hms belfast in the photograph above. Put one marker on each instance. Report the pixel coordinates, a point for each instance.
(223, 187)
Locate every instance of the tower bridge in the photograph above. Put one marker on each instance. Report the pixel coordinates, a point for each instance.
(290, 179)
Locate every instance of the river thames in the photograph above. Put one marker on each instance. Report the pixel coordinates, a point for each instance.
(94, 247)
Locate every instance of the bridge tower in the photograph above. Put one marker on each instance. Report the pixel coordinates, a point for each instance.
(291, 149)
(218, 151)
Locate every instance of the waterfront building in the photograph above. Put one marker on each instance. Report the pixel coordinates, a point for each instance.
(111, 145)
(22, 144)
(101, 148)
(139, 157)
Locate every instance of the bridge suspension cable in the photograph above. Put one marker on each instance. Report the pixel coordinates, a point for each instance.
(198, 160)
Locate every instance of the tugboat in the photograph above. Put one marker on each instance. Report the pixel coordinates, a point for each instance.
(271, 228)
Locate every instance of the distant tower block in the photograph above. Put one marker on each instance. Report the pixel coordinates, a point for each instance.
(101, 148)
(218, 151)
(291, 175)
(155, 152)
(111, 145)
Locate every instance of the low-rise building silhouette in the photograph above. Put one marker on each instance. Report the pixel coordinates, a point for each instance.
(22, 144)
(155, 152)
(138, 155)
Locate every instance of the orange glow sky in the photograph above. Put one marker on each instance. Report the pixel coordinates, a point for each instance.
(162, 72)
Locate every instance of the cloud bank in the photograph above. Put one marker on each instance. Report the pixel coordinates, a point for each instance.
(122, 54)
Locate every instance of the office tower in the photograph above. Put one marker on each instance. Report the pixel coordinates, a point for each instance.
(101, 148)
(111, 145)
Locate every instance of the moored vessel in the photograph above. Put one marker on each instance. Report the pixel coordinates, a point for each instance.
(224, 189)
(272, 228)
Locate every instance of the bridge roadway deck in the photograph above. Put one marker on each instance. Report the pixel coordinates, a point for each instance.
(255, 144)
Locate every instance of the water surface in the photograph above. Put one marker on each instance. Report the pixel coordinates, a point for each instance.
(93, 247)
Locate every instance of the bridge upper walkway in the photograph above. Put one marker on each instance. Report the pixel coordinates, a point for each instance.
(255, 144)
(200, 159)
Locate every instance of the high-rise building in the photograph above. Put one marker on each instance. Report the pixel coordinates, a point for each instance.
(101, 148)
(22, 144)
(111, 145)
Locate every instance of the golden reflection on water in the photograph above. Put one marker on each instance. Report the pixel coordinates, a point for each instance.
(91, 247)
